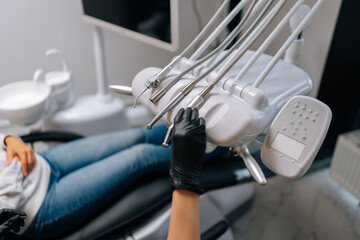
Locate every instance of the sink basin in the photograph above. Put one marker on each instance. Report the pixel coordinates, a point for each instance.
(23, 102)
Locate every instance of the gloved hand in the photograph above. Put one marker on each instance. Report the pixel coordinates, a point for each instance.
(11, 220)
(187, 150)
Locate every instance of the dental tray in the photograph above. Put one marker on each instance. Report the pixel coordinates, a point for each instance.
(235, 112)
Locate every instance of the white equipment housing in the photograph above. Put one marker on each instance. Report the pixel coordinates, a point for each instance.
(238, 91)
(239, 112)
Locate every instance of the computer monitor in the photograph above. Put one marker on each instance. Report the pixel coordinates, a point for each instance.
(151, 21)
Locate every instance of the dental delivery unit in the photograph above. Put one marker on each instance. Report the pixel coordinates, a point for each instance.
(250, 100)
(244, 94)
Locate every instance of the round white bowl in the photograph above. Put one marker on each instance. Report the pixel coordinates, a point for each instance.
(23, 102)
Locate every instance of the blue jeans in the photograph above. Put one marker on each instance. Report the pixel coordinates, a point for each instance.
(89, 173)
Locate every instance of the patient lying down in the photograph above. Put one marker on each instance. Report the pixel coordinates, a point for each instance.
(61, 188)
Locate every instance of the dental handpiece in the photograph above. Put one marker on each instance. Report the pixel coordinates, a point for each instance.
(251, 164)
(181, 95)
(159, 94)
(155, 81)
(178, 98)
(195, 103)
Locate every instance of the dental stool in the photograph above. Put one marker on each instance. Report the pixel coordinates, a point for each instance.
(143, 210)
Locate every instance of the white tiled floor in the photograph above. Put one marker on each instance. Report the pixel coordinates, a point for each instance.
(313, 208)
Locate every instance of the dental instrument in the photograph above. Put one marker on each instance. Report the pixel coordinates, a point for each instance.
(202, 48)
(221, 90)
(121, 89)
(154, 81)
(192, 84)
(249, 14)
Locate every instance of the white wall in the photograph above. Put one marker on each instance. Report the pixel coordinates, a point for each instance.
(30, 27)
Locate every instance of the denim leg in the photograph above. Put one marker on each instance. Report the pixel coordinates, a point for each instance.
(68, 157)
(82, 193)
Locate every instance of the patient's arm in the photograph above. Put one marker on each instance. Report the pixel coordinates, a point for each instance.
(16, 148)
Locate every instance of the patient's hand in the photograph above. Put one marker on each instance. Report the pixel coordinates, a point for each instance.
(16, 148)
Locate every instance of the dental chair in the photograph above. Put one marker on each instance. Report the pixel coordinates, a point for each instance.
(133, 215)
(239, 92)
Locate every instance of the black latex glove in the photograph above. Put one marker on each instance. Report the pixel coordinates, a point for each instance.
(187, 150)
(11, 219)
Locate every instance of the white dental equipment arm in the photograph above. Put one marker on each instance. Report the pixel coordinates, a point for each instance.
(236, 112)
(286, 45)
(293, 53)
(269, 40)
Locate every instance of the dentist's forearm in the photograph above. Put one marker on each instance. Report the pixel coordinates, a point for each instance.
(185, 219)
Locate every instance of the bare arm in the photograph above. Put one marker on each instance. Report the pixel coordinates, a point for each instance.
(184, 220)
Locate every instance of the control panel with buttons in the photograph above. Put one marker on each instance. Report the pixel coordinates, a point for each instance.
(295, 136)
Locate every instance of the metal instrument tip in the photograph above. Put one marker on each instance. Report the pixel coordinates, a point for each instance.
(138, 96)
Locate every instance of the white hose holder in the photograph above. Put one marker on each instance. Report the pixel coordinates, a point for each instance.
(61, 83)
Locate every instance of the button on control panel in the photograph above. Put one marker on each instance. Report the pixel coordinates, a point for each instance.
(302, 122)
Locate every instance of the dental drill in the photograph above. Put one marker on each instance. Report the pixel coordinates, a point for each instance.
(249, 14)
(197, 101)
(204, 46)
(191, 85)
(154, 81)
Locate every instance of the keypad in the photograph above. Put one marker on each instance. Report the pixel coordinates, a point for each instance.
(295, 136)
(302, 122)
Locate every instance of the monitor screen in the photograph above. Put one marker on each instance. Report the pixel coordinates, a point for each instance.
(151, 21)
